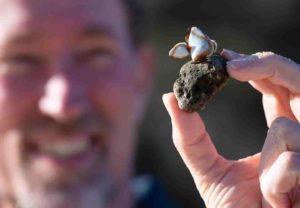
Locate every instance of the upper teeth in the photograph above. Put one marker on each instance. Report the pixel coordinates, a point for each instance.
(65, 149)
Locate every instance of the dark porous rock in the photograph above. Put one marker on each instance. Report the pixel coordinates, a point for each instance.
(198, 82)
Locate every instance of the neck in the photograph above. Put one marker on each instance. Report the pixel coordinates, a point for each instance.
(124, 198)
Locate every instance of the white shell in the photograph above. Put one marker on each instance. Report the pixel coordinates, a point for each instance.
(199, 45)
(179, 50)
(197, 31)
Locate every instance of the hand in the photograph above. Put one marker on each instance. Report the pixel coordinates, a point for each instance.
(280, 165)
(221, 183)
(276, 77)
(224, 183)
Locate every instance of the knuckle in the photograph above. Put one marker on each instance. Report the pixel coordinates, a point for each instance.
(280, 126)
(273, 57)
(283, 60)
(289, 161)
(269, 56)
(280, 122)
(286, 160)
(266, 55)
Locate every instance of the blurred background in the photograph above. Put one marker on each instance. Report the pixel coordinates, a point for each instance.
(234, 118)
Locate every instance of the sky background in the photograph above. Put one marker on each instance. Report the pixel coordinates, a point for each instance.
(234, 118)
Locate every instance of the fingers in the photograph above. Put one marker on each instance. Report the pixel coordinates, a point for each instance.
(281, 179)
(276, 100)
(275, 108)
(280, 162)
(266, 65)
(276, 77)
(229, 54)
(282, 136)
(193, 142)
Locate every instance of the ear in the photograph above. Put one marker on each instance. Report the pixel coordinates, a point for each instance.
(144, 73)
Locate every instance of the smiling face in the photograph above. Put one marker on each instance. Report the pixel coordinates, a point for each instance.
(69, 101)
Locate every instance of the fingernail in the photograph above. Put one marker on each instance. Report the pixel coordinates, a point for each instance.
(165, 102)
(164, 97)
(225, 50)
(229, 54)
(241, 62)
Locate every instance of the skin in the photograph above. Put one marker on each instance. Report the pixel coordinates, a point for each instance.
(267, 179)
(68, 69)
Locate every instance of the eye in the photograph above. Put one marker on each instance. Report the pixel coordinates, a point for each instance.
(22, 63)
(98, 58)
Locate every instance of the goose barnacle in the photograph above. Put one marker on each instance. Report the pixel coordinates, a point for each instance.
(198, 45)
(203, 76)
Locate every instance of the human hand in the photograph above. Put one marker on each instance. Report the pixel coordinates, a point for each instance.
(221, 183)
(276, 77)
(238, 184)
(224, 183)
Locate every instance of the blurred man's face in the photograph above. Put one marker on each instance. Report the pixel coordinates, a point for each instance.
(68, 93)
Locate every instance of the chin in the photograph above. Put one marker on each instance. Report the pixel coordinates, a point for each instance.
(41, 180)
(92, 194)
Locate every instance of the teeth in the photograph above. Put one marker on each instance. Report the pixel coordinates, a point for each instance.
(65, 149)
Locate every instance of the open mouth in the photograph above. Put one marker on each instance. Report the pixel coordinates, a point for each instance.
(66, 149)
(71, 153)
(63, 149)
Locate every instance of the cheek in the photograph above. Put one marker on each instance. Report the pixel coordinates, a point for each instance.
(18, 94)
(116, 95)
(115, 99)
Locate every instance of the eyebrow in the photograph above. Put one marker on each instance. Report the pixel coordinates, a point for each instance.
(24, 37)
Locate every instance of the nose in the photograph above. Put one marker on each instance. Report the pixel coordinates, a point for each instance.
(64, 98)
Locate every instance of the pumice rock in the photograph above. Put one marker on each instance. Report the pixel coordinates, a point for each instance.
(200, 78)
(198, 82)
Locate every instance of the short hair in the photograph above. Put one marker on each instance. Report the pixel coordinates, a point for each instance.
(137, 21)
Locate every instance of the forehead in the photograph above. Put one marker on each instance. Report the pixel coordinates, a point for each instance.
(62, 17)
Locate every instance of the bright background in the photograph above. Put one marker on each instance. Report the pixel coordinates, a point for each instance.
(234, 118)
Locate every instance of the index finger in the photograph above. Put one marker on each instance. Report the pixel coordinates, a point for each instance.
(266, 65)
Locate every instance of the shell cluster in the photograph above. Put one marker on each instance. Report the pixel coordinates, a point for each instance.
(197, 44)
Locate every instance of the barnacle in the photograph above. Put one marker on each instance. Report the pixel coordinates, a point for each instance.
(197, 44)
(200, 78)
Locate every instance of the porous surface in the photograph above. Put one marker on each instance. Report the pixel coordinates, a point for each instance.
(198, 82)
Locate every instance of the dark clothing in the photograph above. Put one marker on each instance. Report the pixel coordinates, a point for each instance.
(150, 194)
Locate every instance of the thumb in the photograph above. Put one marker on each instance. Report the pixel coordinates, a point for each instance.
(194, 144)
